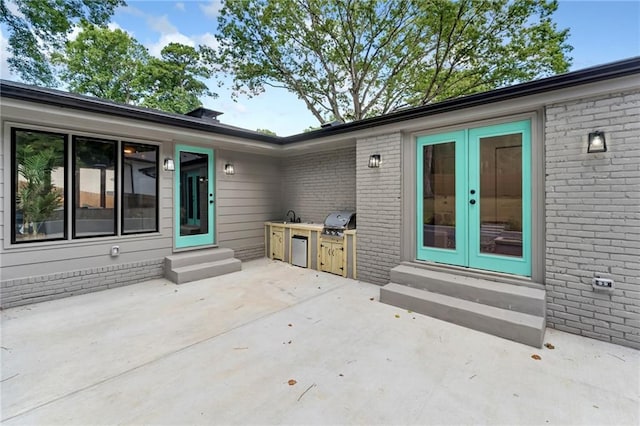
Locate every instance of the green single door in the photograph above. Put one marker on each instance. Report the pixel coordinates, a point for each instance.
(195, 203)
(474, 198)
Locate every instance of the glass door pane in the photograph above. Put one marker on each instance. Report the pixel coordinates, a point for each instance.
(501, 189)
(194, 182)
(439, 195)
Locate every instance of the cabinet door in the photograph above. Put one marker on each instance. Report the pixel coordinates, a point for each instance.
(337, 258)
(325, 256)
(277, 244)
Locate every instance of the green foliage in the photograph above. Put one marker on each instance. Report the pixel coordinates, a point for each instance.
(37, 198)
(111, 64)
(38, 27)
(172, 82)
(104, 63)
(353, 59)
(267, 132)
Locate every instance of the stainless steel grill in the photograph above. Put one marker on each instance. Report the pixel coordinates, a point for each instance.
(337, 222)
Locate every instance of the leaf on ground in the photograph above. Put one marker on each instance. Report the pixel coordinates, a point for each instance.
(397, 316)
(371, 298)
(290, 325)
(292, 382)
(536, 357)
(408, 311)
(549, 346)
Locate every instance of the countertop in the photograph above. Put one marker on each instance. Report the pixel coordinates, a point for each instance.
(306, 226)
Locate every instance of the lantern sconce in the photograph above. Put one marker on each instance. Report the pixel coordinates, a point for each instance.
(229, 169)
(374, 161)
(597, 142)
(169, 165)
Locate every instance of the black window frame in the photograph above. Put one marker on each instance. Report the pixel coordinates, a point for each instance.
(116, 186)
(158, 176)
(14, 182)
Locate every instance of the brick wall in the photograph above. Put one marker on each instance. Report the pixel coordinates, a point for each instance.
(40, 288)
(316, 184)
(593, 218)
(378, 201)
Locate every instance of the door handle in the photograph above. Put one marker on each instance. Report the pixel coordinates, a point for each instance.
(472, 201)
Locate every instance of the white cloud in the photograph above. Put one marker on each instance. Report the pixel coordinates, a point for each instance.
(13, 9)
(74, 32)
(241, 108)
(180, 6)
(161, 24)
(165, 39)
(212, 9)
(206, 39)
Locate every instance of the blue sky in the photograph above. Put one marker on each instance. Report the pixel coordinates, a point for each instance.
(601, 32)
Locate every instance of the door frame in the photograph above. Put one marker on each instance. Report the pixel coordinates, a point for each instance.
(467, 148)
(208, 239)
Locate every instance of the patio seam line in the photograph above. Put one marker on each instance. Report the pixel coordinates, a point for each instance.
(166, 355)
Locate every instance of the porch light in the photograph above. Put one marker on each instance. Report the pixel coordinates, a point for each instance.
(169, 165)
(597, 142)
(229, 169)
(374, 161)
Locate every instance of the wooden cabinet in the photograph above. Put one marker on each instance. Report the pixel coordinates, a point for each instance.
(277, 243)
(332, 256)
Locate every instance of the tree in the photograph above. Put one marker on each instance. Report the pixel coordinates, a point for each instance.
(352, 59)
(173, 82)
(37, 28)
(104, 63)
(267, 132)
(111, 64)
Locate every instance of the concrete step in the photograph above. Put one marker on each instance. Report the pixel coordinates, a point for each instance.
(497, 294)
(196, 257)
(516, 326)
(201, 271)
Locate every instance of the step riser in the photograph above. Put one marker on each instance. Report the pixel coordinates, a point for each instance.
(196, 257)
(207, 271)
(519, 303)
(532, 336)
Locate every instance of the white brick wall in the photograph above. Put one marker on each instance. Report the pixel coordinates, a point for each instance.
(316, 184)
(378, 199)
(593, 217)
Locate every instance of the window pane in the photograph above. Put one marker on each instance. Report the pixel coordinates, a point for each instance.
(439, 195)
(501, 195)
(139, 188)
(94, 187)
(38, 185)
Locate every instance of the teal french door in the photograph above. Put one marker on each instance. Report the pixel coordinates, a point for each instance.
(195, 204)
(474, 198)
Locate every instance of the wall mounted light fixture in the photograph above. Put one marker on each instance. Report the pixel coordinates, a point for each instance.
(229, 169)
(597, 142)
(374, 161)
(169, 165)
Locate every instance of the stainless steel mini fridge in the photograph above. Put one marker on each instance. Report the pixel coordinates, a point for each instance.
(299, 247)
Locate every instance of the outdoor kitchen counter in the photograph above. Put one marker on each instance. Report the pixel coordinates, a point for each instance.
(336, 255)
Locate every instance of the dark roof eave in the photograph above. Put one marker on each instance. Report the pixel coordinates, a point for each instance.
(69, 100)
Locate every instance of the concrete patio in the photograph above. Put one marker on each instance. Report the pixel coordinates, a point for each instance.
(223, 350)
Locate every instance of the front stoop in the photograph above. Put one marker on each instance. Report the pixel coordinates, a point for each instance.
(197, 265)
(510, 311)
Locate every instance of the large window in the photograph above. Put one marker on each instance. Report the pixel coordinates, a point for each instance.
(38, 185)
(139, 188)
(109, 182)
(94, 184)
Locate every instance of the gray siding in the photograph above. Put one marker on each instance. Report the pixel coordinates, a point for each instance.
(313, 185)
(379, 206)
(246, 200)
(593, 217)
